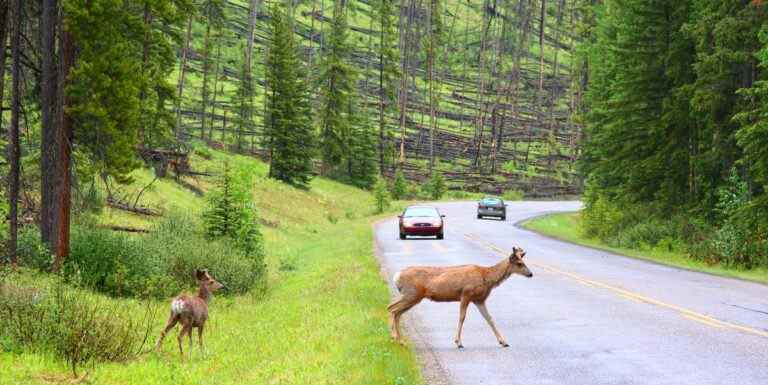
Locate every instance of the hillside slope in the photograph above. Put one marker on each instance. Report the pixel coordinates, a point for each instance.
(503, 77)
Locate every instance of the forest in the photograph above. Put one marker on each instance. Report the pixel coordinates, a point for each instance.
(675, 137)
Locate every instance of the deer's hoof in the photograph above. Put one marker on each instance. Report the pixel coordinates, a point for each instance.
(459, 344)
(503, 344)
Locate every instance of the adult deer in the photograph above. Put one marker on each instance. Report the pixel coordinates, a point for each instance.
(191, 311)
(465, 283)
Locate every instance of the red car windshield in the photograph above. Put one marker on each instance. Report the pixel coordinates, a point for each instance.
(420, 212)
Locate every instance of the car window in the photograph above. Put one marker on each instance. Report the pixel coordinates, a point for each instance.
(491, 201)
(420, 212)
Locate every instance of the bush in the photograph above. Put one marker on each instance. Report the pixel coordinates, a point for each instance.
(381, 195)
(399, 186)
(161, 263)
(77, 326)
(32, 252)
(647, 234)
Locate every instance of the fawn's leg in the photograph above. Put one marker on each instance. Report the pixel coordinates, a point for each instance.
(462, 315)
(487, 316)
(186, 329)
(200, 338)
(172, 320)
(189, 334)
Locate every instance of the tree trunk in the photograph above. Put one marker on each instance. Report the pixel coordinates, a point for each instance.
(542, 23)
(4, 27)
(381, 94)
(63, 146)
(145, 65)
(13, 132)
(182, 72)
(48, 94)
(206, 69)
(404, 52)
(215, 88)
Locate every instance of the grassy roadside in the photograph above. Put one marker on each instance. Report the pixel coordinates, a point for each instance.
(322, 321)
(567, 227)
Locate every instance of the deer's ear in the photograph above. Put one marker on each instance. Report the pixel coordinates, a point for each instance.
(200, 274)
(523, 256)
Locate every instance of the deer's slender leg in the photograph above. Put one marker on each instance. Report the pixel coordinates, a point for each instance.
(186, 329)
(487, 316)
(462, 315)
(189, 334)
(200, 338)
(172, 320)
(397, 309)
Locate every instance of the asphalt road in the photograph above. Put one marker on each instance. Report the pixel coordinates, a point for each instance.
(586, 316)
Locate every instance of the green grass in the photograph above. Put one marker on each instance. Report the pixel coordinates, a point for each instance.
(567, 227)
(323, 319)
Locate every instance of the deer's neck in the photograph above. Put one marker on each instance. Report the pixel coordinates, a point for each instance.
(499, 272)
(204, 293)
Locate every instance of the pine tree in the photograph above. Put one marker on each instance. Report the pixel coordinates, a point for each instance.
(381, 195)
(389, 71)
(289, 136)
(337, 86)
(361, 159)
(399, 185)
(436, 186)
(212, 13)
(243, 101)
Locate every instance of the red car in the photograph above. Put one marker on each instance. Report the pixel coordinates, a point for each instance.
(421, 221)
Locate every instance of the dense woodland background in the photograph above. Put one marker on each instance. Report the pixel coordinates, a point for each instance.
(654, 109)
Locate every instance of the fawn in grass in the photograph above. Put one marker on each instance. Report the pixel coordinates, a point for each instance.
(191, 311)
(465, 283)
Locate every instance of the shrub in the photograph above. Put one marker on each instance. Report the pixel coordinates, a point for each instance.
(31, 250)
(647, 234)
(381, 195)
(77, 326)
(399, 186)
(161, 263)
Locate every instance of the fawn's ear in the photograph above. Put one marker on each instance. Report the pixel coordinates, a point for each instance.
(200, 274)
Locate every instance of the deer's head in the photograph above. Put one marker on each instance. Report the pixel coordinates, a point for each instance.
(205, 279)
(517, 264)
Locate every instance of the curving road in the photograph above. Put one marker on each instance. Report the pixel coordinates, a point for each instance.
(586, 317)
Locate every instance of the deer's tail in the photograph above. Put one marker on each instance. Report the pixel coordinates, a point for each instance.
(396, 280)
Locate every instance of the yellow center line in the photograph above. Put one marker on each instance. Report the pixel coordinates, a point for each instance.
(687, 313)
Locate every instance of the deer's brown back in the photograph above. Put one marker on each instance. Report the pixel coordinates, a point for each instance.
(190, 309)
(444, 284)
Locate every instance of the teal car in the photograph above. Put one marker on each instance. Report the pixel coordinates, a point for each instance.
(492, 207)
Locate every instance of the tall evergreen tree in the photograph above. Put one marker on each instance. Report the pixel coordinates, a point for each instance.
(212, 13)
(389, 71)
(289, 135)
(337, 88)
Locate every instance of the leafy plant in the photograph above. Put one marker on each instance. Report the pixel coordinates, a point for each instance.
(381, 195)
(436, 187)
(399, 186)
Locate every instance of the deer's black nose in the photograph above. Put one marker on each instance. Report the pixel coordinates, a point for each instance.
(529, 275)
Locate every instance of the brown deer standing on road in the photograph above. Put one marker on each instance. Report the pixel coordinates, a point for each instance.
(465, 283)
(191, 311)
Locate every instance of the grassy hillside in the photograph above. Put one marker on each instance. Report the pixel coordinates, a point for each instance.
(477, 80)
(322, 320)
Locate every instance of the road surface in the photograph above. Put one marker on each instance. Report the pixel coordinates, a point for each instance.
(586, 316)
